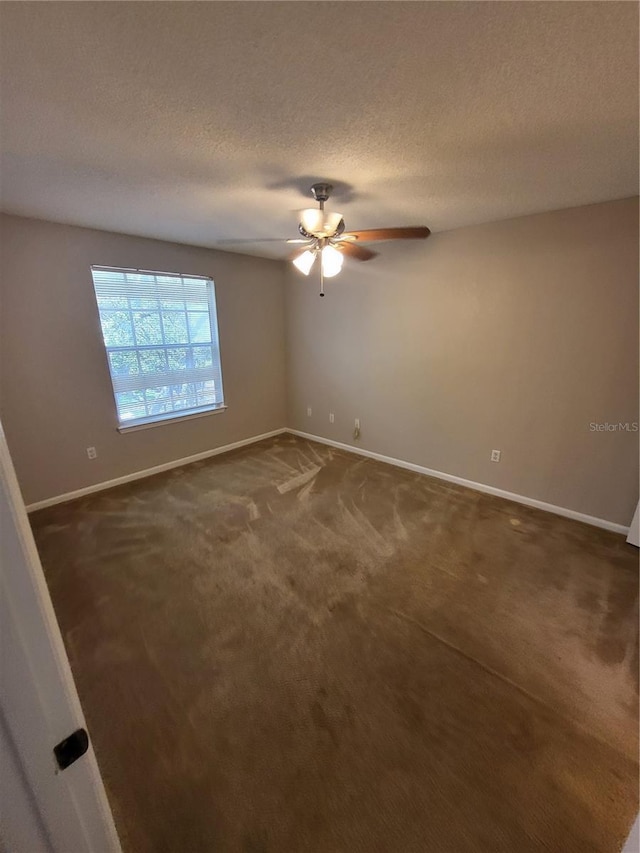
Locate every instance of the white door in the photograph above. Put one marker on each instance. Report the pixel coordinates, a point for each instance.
(42, 808)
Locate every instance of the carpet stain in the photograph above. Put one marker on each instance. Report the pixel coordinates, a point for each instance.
(291, 649)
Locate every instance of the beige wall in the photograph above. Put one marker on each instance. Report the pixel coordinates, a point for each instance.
(514, 335)
(55, 391)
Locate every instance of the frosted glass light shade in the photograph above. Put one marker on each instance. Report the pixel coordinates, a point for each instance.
(331, 261)
(320, 223)
(305, 261)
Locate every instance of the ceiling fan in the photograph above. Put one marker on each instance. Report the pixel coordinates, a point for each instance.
(323, 235)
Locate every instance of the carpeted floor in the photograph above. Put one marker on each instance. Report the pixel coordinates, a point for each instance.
(290, 648)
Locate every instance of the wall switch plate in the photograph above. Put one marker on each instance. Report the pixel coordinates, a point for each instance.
(357, 423)
(332, 417)
(308, 411)
(92, 452)
(495, 455)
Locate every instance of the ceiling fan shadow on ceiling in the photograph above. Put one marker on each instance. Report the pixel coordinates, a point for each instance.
(323, 236)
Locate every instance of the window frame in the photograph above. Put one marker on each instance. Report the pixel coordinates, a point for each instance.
(176, 415)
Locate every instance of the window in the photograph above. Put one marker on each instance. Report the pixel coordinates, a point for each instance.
(161, 335)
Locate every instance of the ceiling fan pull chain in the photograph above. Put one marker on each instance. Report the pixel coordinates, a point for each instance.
(321, 280)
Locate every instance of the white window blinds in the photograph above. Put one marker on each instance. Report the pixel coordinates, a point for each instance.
(160, 331)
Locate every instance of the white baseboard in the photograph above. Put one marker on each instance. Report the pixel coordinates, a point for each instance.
(148, 472)
(470, 484)
(390, 460)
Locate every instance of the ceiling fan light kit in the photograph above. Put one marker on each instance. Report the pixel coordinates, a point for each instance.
(305, 261)
(332, 261)
(330, 258)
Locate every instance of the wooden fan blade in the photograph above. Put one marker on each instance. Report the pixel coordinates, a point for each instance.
(420, 233)
(354, 251)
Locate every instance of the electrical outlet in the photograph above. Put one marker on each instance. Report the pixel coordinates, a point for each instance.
(332, 417)
(357, 423)
(92, 452)
(495, 455)
(308, 411)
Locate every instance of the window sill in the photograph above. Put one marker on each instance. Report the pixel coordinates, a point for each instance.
(173, 418)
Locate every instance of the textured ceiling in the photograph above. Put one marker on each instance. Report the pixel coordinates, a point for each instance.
(198, 122)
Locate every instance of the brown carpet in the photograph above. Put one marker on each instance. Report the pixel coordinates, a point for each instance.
(290, 648)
